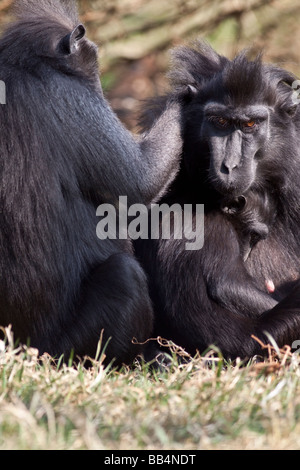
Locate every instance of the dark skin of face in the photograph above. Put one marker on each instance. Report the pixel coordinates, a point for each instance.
(235, 138)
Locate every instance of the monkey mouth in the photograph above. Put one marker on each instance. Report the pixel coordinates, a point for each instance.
(233, 205)
(226, 188)
(230, 190)
(226, 185)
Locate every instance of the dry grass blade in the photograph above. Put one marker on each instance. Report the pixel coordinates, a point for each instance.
(276, 360)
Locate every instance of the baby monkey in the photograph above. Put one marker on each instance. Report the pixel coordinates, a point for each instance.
(252, 217)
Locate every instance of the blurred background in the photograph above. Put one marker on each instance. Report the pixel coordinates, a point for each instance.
(135, 37)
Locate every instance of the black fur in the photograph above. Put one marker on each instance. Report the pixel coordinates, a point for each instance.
(252, 218)
(64, 152)
(213, 296)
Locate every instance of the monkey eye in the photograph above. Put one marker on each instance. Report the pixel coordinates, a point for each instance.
(249, 124)
(220, 121)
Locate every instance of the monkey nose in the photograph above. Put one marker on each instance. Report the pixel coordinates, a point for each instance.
(227, 167)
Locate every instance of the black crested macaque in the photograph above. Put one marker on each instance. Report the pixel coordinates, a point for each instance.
(241, 160)
(63, 153)
(252, 217)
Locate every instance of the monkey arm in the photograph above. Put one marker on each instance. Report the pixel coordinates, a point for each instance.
(236, 290)
(228, 282)
(161, 149)
(137, 167)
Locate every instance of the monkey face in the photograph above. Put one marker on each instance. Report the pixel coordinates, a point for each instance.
(236, 138)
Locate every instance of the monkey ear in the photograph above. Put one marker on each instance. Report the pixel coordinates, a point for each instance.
(289, 89)
(69, 44)
(291, 110)
(188, 91)
(192, 90)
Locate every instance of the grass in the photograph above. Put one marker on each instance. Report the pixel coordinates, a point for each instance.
(204, 403)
